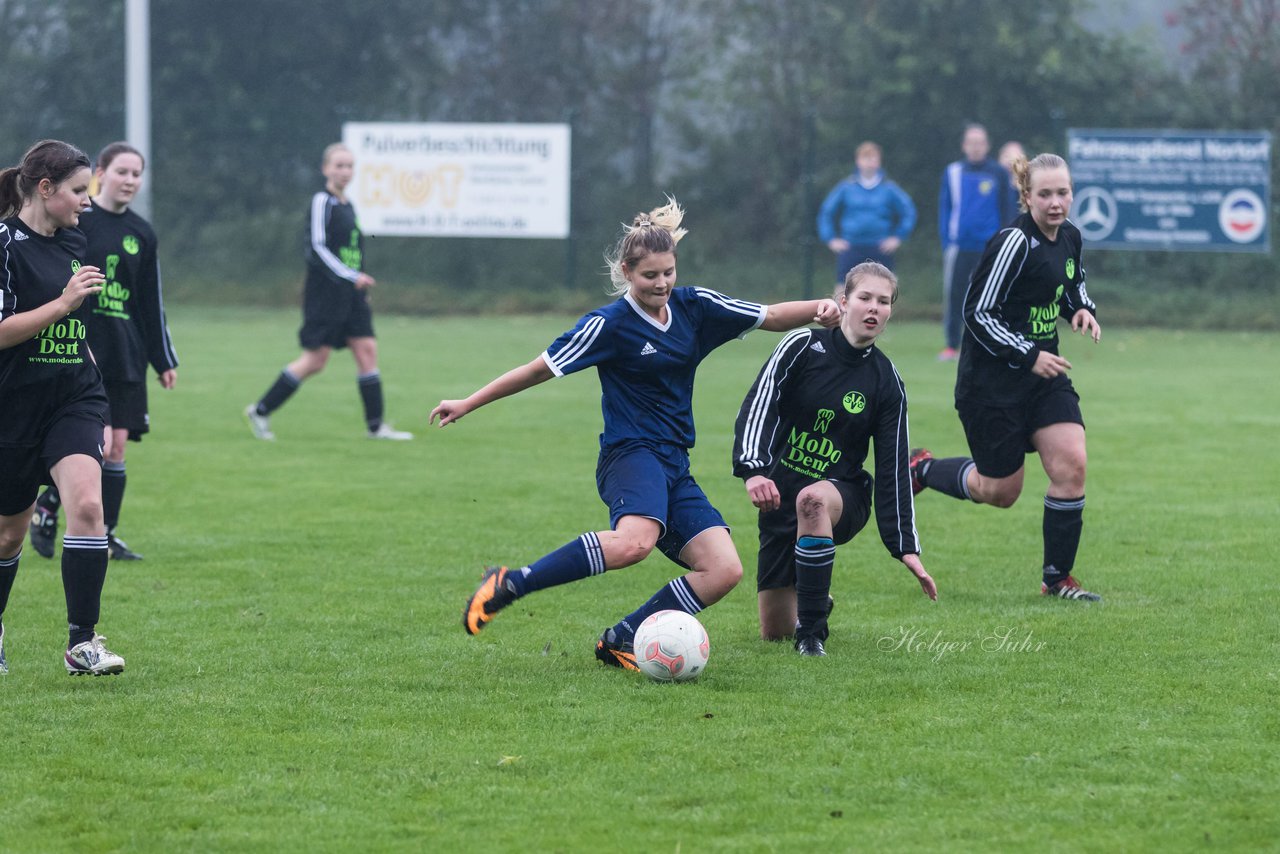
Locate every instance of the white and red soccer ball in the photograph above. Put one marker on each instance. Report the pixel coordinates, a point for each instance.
(671, 646)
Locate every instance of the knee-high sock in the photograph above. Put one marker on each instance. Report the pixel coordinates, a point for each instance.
(815, 557)
(371, 396)
(949, 475)
(1063, 521)
(577, 559)
(84, 569)
(281, 390)
(674, 596)
(8, 572)
(113, 480)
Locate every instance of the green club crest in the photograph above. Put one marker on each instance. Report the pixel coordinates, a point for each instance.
(75, 267)
(854, 402)
(1071, 268)
(130, 244)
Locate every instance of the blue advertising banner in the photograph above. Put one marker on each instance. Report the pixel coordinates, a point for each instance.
(1206, 191)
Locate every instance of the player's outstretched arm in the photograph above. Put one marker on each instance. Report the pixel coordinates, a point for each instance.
(512, 382)
(917, 569)
(783, 316)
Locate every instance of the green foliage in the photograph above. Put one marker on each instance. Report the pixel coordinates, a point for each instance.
(746, 110)
(298, 679)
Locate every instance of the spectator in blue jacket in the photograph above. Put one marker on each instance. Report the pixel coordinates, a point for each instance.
(974, 204)
(866, 216)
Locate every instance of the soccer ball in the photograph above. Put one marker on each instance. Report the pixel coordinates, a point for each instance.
(671, 646)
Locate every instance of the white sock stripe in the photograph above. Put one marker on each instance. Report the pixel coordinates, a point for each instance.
(812, 555)
(69, 542)
(11, 561)
(1063, 504)
(374, 377)
(595, 554)
(964, 478)
(680, 587)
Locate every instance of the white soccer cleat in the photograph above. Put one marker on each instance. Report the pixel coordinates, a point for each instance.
(4, 665)
(92, 657)
(259, 424)
(386, 431)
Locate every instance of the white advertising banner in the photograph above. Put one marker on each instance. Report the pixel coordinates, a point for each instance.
(460, 180)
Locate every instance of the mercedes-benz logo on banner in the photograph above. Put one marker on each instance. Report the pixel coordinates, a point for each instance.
(1095, 213)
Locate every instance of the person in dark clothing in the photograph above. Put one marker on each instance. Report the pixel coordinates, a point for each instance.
(800, 442)
(1012, 391)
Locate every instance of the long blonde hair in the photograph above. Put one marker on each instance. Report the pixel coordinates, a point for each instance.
(649, 233)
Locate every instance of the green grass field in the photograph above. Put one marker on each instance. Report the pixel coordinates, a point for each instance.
(298, 678)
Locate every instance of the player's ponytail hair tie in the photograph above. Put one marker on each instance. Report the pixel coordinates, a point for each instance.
(649, 234)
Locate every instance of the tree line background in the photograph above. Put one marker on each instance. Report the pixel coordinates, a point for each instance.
(745, 110)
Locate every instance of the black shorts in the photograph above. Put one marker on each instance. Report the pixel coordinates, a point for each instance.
(24, 469)
(127, 408)
(333, 313)
(776, 561)
(1000, 437)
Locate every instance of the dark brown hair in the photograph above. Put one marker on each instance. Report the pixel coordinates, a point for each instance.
(48, 158)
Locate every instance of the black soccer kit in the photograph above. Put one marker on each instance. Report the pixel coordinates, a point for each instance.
(333, 309)
(51, 395)
(127, 324)
(811, 415)
(1021, 287)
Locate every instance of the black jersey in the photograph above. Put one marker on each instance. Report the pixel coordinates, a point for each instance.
(1019, 289)
(53, 372)
(335, 249)
(127, 325)
(811, 415)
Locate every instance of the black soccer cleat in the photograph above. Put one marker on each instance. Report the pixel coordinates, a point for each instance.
(919, 456)
(1069, 588)
(490, 597)
(44, 531)
(810, 646)
(615, 653)
(118, 549)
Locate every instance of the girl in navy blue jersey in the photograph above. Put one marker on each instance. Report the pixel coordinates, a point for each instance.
(646, 347)
(51, 393)
(1012, 389)
(127, 330)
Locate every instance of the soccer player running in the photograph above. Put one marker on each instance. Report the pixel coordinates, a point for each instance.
(800, 442)
(1012, 391)
(646, 347)
(127, 329)
(51, 392)
(335, 304)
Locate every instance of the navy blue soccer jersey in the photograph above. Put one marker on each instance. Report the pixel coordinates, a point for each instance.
(646, 368)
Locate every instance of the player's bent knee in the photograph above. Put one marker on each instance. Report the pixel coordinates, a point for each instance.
(811, 505)
(11, 540)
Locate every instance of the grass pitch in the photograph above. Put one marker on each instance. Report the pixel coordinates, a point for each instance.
(298, 678)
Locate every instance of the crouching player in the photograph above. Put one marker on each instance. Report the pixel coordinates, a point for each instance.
(801, 439)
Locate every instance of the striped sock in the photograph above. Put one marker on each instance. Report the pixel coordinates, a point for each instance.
(949, 475)
(8, 572)
(577, 559)
(1063, 522)
(815, 557)
(371, 396)
(113, 481)
(84, 569)
(675, 596)
(281, 390)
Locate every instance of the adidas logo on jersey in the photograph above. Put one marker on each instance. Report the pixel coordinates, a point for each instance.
(818, 348)
(19, 235)
(1034, 243)
(648, 349)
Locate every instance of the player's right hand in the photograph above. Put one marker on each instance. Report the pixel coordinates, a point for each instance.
(1049, 365)
(763, 492)
(87, 280)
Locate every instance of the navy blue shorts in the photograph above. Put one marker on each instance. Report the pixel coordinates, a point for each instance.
(654, 481)
(776, 560)
(23, 470)
(1000, 437)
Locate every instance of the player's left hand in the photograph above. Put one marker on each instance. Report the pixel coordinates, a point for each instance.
(828, 313)
(927, 583)
(168, 379)
(364, 281)
(763, 492)
(1085, 323)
